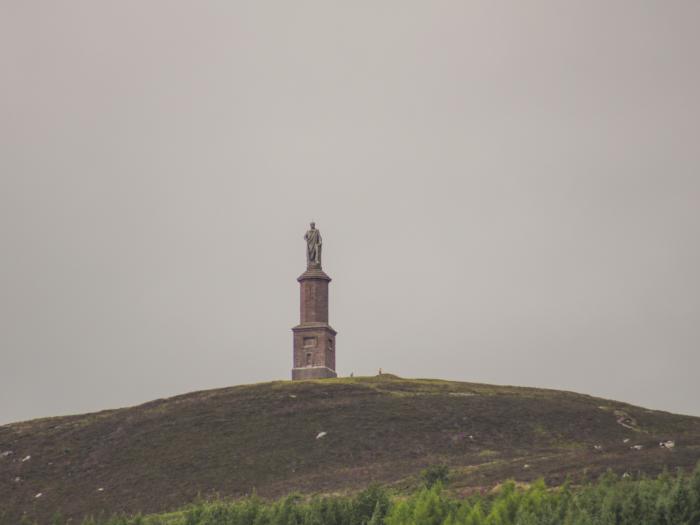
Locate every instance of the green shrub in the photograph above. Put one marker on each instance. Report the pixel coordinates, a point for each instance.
(612, 500)
(435, 474)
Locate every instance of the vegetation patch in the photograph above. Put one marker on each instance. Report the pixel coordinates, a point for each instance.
(664, 500)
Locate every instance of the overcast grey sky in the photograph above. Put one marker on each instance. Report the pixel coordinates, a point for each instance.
(508, 192)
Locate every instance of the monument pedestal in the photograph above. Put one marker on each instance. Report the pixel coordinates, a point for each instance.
(314, 339)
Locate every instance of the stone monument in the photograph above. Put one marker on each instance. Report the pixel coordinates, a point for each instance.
(314, 339)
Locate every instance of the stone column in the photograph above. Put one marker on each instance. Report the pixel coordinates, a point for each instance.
(314, 339)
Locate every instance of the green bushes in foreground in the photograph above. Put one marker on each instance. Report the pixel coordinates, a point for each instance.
(665, 500)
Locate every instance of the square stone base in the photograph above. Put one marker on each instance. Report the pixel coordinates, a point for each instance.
(312, 372)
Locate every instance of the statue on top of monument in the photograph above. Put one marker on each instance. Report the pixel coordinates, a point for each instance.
(313, 247)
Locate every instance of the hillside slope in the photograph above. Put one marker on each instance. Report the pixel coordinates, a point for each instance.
(266, 438)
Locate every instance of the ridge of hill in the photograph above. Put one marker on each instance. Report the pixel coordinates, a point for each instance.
(323, 436)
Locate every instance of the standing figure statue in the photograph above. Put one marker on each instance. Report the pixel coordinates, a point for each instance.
(313, 247)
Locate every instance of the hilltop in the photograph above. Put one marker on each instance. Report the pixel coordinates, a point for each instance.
(331, 435)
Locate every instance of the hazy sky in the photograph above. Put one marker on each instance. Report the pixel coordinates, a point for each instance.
(508, 192)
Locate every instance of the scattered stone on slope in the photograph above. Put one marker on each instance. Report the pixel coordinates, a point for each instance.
(627, 421)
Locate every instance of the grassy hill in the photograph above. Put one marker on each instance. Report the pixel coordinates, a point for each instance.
(268, 438)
